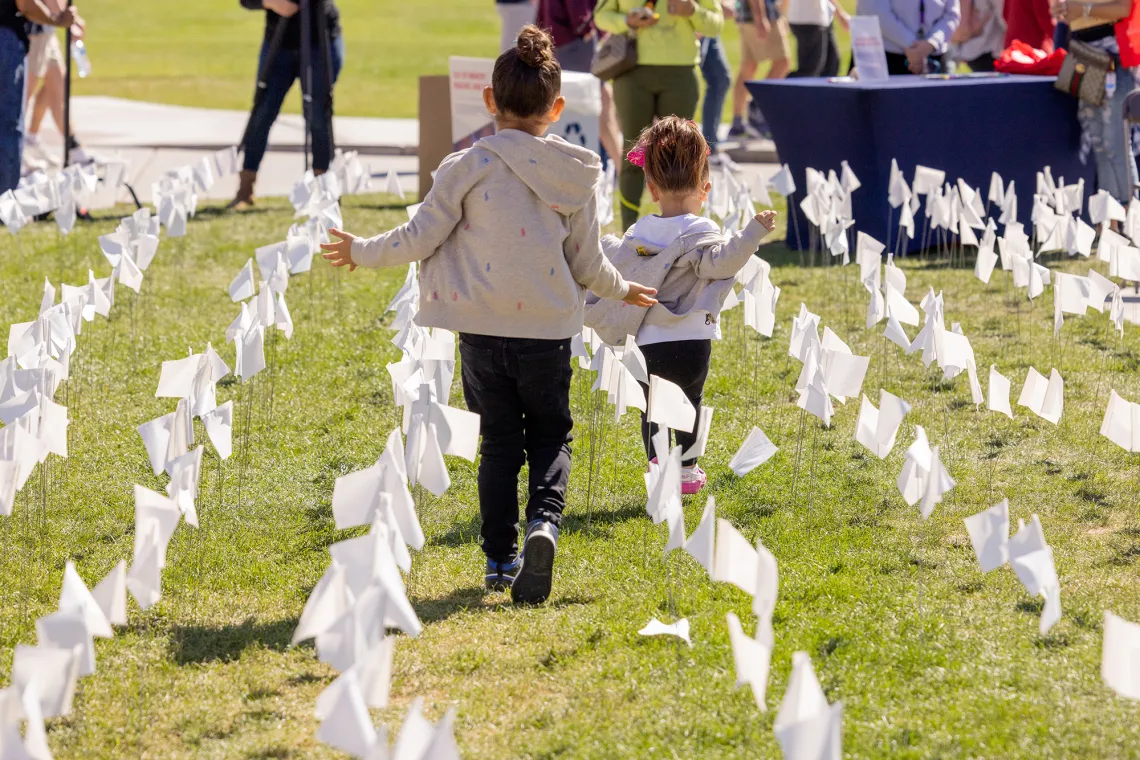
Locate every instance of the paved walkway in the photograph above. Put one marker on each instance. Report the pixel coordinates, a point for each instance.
(154, 138)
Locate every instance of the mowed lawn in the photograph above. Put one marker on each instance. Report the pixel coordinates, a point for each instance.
(205, 53)
(930, 657)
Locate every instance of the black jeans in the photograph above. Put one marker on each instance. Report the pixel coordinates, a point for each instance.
(984, 62)
(686, 363)
(521, 389)
(818, 54)
(897, 64)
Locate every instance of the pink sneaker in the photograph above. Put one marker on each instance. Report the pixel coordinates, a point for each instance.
(692, 480)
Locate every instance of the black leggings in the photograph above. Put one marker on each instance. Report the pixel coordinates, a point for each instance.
(686, 363)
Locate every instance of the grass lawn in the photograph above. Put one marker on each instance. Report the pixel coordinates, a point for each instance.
(930, 657)
(205, 53)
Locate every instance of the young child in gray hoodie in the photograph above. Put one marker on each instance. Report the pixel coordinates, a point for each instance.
(509, 241)
(691, 263)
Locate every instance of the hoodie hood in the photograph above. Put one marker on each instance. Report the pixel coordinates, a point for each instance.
(562, 175)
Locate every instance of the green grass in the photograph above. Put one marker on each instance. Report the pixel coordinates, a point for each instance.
(205, 53)
(930, 657)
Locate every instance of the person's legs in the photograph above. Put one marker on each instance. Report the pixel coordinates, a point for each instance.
(12, 68)
(322, 117)
(542, 370)
(831, 60)
(284, 69)
(718, 80)
(1104, 128)
(685, 363)
(679, 92)
(811, 50)
(608, 126)
(279, 80)
(634, 97)
(746, 71)
(776, 50)
(491, 393)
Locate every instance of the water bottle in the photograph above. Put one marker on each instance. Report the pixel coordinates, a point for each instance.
(80, 59)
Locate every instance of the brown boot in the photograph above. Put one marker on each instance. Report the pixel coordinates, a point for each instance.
(244, 197)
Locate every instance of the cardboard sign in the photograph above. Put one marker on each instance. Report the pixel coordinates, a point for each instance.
(870, 57)
(579, 124)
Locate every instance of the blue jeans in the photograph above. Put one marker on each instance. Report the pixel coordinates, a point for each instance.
(285, 70)
(12, 82)
(718, 80)
(1103, 133)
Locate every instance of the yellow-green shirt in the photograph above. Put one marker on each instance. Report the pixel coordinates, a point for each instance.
(673, 40)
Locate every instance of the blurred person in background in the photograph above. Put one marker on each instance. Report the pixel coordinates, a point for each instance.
(46, 92)
(817, 51)
(283, 71)
(718, 80)
(980, 37)
(514, 15)
(571, 24)
(665, 81)
(916, 35)
(763, 37)
(14, 18)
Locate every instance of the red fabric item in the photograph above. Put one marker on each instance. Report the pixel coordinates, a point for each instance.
(1020, 58)
(1128, 37)
(1030, 22)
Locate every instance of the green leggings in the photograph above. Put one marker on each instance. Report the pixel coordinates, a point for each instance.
(642, 95)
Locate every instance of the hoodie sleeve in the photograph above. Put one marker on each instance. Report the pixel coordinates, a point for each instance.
(435, 220)
(583, 251)
(720, 262)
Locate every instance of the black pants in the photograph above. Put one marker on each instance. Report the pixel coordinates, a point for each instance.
(897, 64)
(521, 390)
(984, 62)
(686, 363)
(818, 54)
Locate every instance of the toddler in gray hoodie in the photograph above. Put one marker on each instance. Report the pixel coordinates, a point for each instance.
(690, 262)
(509, 241)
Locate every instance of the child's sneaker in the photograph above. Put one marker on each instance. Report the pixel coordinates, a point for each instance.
(693, 479)
(532, 584)
(501, 575)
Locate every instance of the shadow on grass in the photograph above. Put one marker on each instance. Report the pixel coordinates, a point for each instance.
(476, 598)
(460, 533)
(577, 521)
(198, 644)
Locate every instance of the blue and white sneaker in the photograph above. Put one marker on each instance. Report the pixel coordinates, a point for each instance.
(532, 584)
(501, 575)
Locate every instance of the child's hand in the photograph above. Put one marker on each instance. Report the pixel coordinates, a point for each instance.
(768, 219)
(339, 253)
(639, 295)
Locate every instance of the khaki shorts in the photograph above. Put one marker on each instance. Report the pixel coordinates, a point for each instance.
(42, 50)
(773, 48)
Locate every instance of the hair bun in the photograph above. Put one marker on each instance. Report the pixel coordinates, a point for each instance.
(535, 47)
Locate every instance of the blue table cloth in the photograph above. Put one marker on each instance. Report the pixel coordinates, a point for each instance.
(969, 127)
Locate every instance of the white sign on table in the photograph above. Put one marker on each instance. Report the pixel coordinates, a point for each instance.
(870, 57)
(579, 124)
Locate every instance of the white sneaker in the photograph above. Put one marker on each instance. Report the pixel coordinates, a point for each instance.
(35, 148)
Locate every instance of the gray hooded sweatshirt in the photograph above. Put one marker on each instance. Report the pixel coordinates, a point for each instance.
(509, 240)
(693, 274)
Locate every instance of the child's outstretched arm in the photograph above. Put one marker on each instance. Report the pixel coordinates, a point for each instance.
(416, 240)
(719, 262)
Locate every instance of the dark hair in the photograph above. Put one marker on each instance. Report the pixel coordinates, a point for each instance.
(527, 78)
(676, 155)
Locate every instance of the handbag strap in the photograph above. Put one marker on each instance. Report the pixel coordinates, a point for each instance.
(586, 24)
